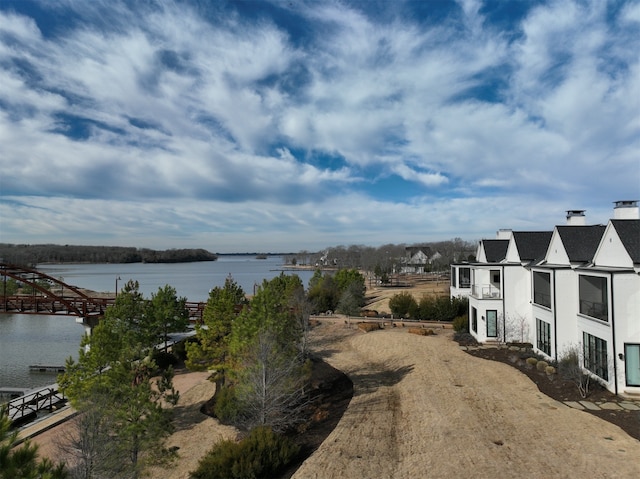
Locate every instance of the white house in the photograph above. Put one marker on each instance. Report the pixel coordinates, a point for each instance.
(578, 285)
(418, 259)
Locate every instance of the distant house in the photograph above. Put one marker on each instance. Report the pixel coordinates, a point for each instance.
(418, 259)
(575, 285)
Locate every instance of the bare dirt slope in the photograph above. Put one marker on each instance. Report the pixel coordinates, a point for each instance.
(423, 408)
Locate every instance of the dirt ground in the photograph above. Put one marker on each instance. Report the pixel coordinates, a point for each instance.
(421, 407)
(424, 408)
(377, 296)
(195, 432)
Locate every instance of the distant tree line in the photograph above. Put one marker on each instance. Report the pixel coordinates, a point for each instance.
(30, 255)
(387, 258)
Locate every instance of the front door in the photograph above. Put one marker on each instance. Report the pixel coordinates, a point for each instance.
(632, 364)
(492, 324)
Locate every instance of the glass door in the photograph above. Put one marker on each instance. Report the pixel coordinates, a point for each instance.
(492, 324)
(632, 364)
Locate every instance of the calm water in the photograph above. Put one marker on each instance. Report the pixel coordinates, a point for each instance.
(34, 339)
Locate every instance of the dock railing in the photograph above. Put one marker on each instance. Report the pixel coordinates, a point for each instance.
(45, 398)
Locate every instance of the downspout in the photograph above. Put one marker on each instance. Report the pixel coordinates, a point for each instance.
(555, 317)
(613, 333)
(504, 317)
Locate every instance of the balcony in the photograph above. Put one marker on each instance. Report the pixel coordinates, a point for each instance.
(485, 291)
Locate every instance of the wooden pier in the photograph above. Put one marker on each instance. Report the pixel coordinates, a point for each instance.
(46, 368)
(26, 407)
(13, 392)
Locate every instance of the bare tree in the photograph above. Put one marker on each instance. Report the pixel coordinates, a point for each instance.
(271, 384)
(86, 446)
(301, 308)
(516, 328)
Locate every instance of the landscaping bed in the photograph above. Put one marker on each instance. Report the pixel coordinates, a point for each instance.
(563, 390)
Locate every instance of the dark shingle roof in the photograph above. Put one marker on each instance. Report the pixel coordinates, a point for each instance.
(581, 242)
(532, 245)
(629, 233)
(495, 250)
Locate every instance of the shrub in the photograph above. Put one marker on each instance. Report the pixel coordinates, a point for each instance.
(163, 359)
(550, 370)
(226, 406)
(262, 454)
(532, 361)
(570, 368)
(442, 308)
(542, 365)
(367, 327)
(461, 323)
(403, 304)
(464, 338)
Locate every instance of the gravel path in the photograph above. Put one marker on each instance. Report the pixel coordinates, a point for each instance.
(423, 408)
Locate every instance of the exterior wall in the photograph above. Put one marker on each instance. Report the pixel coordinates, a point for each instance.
(626, 296)
(612, 252)
(517, 304)
(565, 294)
(556, 254)
(545, 314)
(482, 306)
(457, 288)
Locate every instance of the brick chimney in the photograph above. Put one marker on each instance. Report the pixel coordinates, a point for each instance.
(576, 218)
(626, 210)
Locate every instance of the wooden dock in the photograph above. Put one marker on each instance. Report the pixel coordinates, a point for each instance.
(46, 368)
(27, 406)
(13, 392)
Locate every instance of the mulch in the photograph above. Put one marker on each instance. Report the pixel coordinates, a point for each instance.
(563, 390)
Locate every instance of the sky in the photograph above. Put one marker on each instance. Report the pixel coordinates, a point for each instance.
(280, 126)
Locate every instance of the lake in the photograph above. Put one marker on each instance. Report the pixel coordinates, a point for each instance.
(35, 339)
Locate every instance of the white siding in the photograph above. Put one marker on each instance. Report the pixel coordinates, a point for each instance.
(556, 254)
(611, 251)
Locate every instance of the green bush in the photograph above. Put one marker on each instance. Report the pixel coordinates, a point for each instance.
(226, 406)
(461, 323)
(532, 361)
(402, 305)
(260, 455)
(442, 308)
(163, 359)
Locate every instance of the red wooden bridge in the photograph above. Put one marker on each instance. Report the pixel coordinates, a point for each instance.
(51, 296)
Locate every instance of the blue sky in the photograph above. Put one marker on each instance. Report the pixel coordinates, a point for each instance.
(290, 125)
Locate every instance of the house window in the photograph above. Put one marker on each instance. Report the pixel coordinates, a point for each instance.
(595, 355)
(593, 297)
(474, 320)
(454, 277)
(542, 289)
(492, 324)
(465, 277)
(543, 336)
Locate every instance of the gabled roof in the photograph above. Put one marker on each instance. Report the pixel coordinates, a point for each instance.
(580, 242)
(495, 250)
(629, 233)
(532, 245)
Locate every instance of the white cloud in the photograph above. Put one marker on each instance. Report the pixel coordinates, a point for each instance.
(284, 134)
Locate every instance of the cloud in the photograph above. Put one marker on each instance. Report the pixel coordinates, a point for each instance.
(288, 118)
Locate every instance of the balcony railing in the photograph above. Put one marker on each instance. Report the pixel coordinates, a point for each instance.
(542, 299)
(485, 291)
(594, 309)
